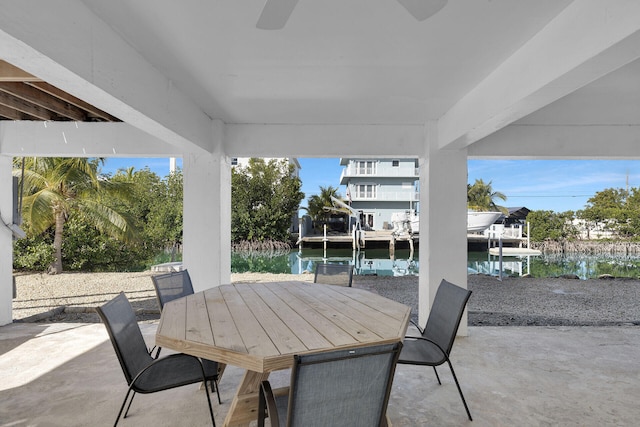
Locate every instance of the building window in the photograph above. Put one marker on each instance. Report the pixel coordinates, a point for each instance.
(395, 163)
(234, 161)
(366, 167)
(366, 191)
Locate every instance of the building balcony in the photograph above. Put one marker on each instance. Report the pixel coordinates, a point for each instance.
(381, 171)
(386, 196)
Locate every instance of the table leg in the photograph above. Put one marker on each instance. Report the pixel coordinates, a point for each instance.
(244, 407)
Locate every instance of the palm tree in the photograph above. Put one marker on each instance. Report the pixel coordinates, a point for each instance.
(318, 202)
(481, 197)
(56, 188)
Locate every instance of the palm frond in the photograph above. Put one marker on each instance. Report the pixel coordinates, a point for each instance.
(38, 210)
(107, 220)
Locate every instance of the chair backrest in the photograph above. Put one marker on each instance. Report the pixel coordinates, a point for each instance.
(342, 388)
(171, 286)
(446, 313)
(334, 274)
(120, 320)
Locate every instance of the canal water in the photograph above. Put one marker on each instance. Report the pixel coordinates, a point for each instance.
(405, 263)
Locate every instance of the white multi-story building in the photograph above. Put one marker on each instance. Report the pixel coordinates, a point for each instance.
(380, 187)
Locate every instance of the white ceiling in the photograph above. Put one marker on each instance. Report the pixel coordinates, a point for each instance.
(335, 62)
(611, 100)
(345, 75)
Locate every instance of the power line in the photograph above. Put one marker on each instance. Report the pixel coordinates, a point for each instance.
(573, 195)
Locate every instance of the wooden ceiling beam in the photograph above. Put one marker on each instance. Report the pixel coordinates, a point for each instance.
(21, 105)
(44, 100)
(10, 113)
(19, 89)
(91, 110)
(10, 73)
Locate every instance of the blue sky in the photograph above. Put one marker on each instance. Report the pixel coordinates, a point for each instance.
(557, 185)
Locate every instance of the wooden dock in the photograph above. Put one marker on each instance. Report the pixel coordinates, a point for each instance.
(480, 239)
(366, 238)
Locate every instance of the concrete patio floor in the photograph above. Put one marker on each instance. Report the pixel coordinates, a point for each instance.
(66, 374)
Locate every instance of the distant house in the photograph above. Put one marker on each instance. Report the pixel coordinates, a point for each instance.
(380, 187)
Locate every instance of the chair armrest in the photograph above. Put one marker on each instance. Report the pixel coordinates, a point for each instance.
(267, 405)
(408, 337)
(156, 361)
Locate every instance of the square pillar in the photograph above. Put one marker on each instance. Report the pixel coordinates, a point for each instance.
(443, 221)
(207, 215)
(6, 241)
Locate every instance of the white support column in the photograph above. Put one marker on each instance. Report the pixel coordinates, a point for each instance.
(207, 215)
(6, 241)
(443, 220)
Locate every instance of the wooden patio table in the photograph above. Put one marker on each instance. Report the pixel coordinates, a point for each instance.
(261, 326)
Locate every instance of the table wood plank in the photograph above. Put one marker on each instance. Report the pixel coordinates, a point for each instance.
(397, 311)
(329, 330)
(174, 320)
(198, 327)
(278, 332)
(378, 322)
(256, 340)
(224, 330)
(313, 295)
(305, 331)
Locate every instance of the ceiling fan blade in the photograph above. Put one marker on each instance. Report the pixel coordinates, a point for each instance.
(422, 9)
(275, 14)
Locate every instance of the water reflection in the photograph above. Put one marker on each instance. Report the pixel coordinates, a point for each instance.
(405, 263)
(369, 262)
(553, 265)
(484, 263)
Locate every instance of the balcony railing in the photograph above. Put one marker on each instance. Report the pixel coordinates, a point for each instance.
(387, 196)
(352, 171)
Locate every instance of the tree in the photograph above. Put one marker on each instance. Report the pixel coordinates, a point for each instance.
(56, 188)
(616, 209)
(549, 225)
(318, 202)
(165, 213)
(264, 199)
(157, 206)
(481, 197)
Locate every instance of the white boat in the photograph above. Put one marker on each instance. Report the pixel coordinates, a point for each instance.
(409, 221)
(480, 221)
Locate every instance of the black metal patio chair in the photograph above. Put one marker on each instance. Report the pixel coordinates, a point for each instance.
(334, 274)
(173, 285)
(434, 345)
(143, 373)
(176, 285)
(347, 388)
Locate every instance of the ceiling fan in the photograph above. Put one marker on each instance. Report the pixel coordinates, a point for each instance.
(275, 13)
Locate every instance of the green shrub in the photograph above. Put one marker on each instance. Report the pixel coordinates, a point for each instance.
(33, 253)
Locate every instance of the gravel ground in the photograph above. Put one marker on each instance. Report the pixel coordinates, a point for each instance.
(521, 301)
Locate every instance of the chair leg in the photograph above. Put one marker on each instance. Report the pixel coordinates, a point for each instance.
(214, 383)
(262, 408)
(464, 402)
(124, 402)
(129, 406)
(213, 421)
(437, 376)
(206, 391)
